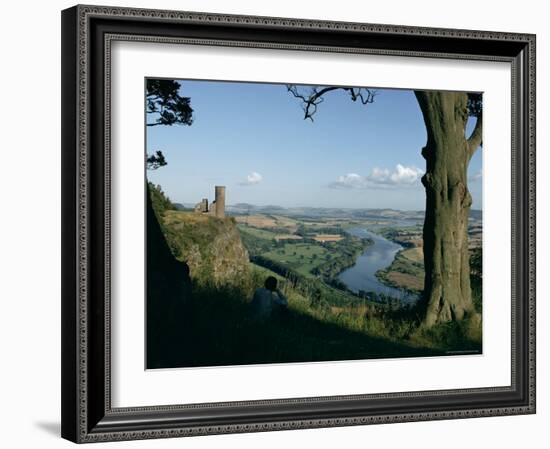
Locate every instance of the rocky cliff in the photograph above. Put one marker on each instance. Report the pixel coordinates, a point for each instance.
(211, 247)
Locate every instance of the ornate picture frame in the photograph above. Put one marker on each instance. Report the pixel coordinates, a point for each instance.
(88, 33)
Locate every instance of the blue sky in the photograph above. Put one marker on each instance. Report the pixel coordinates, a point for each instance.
(253, 139)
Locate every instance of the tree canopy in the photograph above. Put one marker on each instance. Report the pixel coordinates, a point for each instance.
(156, 160)
(165, 106)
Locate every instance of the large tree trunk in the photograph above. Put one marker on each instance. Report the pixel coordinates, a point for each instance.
(447, 293)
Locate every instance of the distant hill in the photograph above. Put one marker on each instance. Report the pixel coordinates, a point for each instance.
(331, 212)
(476, 214)
(324, 212)
(181, 206)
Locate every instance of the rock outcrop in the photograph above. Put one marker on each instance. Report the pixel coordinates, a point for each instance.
(211, 247)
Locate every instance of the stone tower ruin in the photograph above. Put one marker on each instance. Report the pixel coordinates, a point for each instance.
(202, 206)
(217, 207)
(220, 201)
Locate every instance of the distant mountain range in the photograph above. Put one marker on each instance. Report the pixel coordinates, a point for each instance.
(181, 206)
(322, 212)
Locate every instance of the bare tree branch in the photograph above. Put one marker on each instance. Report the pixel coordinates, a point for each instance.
(314, 97)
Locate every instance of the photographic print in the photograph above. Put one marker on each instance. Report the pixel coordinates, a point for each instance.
(309, 199)
(306, 223)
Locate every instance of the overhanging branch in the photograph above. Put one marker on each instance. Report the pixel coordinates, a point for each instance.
(315, 97)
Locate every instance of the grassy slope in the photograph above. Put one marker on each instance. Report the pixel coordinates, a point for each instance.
(227, 334)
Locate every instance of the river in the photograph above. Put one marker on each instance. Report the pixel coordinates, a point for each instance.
(379, 255)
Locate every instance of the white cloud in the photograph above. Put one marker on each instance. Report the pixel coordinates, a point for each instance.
(349, 181)
(401, 176)
(476, 177)
(252, 179)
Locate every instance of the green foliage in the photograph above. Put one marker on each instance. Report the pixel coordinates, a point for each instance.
(454, 336)
(161, 203)
(476, 262)
(476, 277)
(166, 104)
(475, 104)
(166, 107)
(156, 160)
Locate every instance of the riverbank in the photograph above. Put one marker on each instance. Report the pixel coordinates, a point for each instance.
(348, 250)
(405, 272)
(362, 277)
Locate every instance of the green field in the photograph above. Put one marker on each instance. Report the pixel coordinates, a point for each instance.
(301, 257)
(304, 255)
(257, 233)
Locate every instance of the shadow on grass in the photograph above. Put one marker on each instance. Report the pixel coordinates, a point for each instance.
(222, 331)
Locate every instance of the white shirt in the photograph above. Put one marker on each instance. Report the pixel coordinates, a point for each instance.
(264, 300)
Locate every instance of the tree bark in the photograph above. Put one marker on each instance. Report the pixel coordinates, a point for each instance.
(447, 293)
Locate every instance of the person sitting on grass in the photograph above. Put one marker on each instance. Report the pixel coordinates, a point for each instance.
(268, 300)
